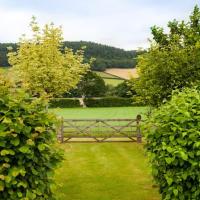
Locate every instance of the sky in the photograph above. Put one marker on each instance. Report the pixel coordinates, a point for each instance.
(120, 23)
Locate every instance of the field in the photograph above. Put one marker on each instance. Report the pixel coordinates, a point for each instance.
(123, 73)
(99, 130)
(104, 171)
(113, 82)
(115, 76)
(101, 113)
(110, 79)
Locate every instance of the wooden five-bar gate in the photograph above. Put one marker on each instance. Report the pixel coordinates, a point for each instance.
(100, 130)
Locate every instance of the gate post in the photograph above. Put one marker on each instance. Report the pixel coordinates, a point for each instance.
(138, 130)
(61, 131)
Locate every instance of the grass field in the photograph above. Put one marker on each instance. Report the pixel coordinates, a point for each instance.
(110, 79)
(123, 73)
(101, 113)
(105, 75)
(113, 82)
(104, 171)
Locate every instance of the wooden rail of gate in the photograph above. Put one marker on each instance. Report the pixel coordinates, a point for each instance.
(100, 130)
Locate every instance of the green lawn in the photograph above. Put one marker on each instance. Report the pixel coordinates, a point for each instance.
(104, 171)
(100, 113)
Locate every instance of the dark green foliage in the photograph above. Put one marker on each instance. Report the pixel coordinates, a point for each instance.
(64, 103)
(91, 85)
(27, 152)
(124, 89)
(108, 102)
(173, 143)
(110, 90)
(3, 53)
(106, 56)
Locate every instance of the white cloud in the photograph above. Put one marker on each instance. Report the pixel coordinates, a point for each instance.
(120, 23)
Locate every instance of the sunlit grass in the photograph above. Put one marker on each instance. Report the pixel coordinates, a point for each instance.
(100, 113)
(105, 171)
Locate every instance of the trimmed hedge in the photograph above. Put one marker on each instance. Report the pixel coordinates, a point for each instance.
(108, 102)
(64, 103)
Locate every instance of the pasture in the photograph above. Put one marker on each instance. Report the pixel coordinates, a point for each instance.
(101, 113)
(105, 171)
(123, 73)
(110, 79)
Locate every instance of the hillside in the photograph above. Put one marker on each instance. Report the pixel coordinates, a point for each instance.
(106, 56)
(110, 79)
(123, 73)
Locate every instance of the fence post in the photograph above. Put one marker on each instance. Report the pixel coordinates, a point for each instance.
(138, 130)
(61, 131)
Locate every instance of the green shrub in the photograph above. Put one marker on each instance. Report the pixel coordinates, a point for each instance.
(108, 102)
(27, 152)
(173, 143)
(124, 89)
(64, 103)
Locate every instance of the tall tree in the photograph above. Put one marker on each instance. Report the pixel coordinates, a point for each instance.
(91, 85)
(41, 67)
(172, 61)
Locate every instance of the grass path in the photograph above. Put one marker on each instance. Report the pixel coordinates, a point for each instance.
(104, 171)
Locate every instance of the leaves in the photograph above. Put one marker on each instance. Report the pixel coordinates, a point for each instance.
(15, 141)
(173, 146)
(171, 62)
(25, 149)
(40, 65)
(7, 152)
(27, 152)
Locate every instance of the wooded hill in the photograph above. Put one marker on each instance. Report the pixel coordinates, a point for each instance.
(106, 56)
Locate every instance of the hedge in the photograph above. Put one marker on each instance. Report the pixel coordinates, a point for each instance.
(64, 103)
(28, 154)
(173, 144)
(108, 102)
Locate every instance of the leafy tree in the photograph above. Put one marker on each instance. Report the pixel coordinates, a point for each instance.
(91, 85)
(5, 83)
(124, 89)
(41, 67)
(173, 60)
(174, 147)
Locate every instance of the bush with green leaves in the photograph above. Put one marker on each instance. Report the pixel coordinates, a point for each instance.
(108, 102)
(125, 89)
(172, 61)
(64, 103)
(173, 144)
(27, 151)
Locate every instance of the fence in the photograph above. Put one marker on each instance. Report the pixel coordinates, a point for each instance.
(100, 130)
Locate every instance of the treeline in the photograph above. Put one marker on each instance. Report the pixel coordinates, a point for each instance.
(106, 56)
(4, 51)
